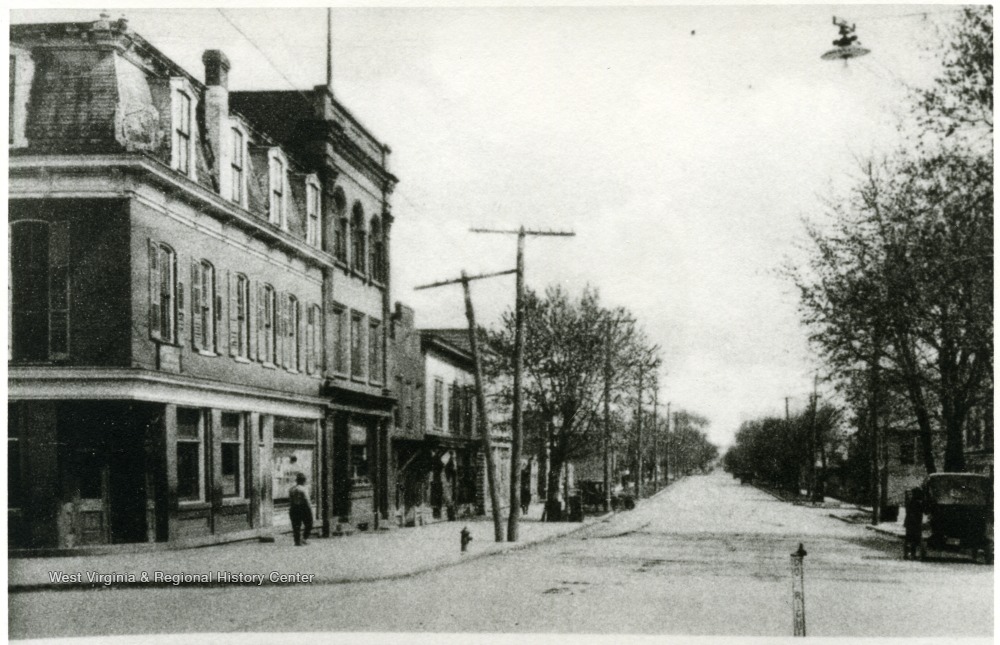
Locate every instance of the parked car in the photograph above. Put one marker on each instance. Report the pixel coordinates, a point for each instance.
(958, 515)
(592, 495)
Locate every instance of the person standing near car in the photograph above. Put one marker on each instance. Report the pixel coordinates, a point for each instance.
(913, 523)
(300, 510)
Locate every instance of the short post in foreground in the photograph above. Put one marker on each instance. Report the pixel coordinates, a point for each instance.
(798, 594)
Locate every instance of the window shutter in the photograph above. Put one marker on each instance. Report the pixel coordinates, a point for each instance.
(217, 314)
(286, 331)
(179, 307)
(310, 333)
(281, 300)
(252, 317)
(298, 345)
(154, 290)
(59, 256)
(234, 329)
(261, 329)
(319, 344)
(318, 340)
(196, 305)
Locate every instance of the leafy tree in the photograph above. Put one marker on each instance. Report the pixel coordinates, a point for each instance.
(898, 290)
(901, 281)
(688, 447)
(961, 99)
(569, 343)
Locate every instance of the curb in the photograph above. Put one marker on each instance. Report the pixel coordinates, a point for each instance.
(515, 546)
(883, 531)
(842, 519)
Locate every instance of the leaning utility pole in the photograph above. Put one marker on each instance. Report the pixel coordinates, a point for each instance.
(517, 424)
(484, 428)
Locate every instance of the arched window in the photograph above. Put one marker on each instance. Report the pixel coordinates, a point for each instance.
(340, 224)
(358, 250)
(313, 205)
(39, 290)
(377, 263)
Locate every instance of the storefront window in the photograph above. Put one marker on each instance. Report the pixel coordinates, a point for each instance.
(294, 453)
(358, 436)
(232, 478)
(190, 461)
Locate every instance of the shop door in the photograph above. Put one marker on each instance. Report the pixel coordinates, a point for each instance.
(90, 505)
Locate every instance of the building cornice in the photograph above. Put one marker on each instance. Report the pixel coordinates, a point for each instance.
(168, 180)
(39, 382)
(430, 341)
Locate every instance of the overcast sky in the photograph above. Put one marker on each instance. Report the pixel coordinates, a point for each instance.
(683, 146)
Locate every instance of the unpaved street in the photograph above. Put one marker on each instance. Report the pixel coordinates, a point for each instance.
(706, 556)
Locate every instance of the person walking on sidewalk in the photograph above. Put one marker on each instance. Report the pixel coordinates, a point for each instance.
(300, 510)
(913, 523)
(525, 492)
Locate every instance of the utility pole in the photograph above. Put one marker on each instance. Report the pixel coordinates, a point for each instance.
(873, 403)
(656, 434)
(607, 419)
(643, 366)
(817, 493)
(517, 424)
(676, 448)
(611, 324)
(666, 450)
(484, 428)
(638, 447)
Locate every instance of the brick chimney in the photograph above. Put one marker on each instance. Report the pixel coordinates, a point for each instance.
(216, 68)
(217, 115)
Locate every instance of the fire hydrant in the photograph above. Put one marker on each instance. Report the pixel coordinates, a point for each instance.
(466, 538)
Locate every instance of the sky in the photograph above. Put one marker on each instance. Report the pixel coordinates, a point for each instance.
(683, 145)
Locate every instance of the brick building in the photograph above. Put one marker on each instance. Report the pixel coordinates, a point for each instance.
(197, 298)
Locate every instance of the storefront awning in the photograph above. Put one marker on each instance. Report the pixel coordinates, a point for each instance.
(447, 441)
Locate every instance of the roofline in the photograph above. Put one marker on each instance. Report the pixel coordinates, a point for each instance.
(119, 31)
(443, 345)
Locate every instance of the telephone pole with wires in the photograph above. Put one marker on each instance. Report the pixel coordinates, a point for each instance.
(517, 437)
(484, 426)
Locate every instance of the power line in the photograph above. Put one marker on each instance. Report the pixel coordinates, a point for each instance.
(250, 40)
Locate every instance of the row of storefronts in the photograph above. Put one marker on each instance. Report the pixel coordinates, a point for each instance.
(199, 310)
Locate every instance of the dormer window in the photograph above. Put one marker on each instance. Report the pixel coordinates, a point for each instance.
(22, 71)
(312, 211)
(183, 136)
(237, 164)
(277, 210)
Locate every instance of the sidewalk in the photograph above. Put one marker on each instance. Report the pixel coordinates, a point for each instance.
(848, 512)
(361, 557)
